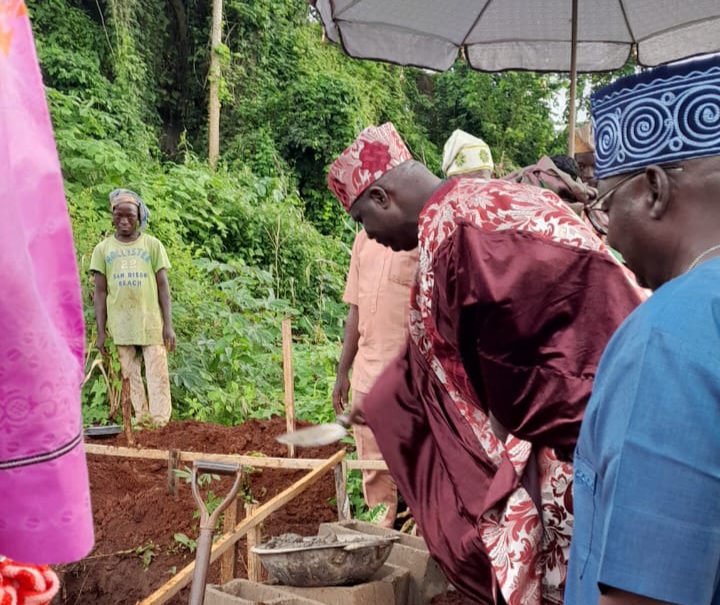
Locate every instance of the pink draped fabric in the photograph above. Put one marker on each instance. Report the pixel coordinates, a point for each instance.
(45, 513)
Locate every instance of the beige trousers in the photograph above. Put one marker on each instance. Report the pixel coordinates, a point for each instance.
(158, 381)
(378, 486)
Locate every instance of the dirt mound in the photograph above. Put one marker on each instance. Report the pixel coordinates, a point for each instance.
(137, 520)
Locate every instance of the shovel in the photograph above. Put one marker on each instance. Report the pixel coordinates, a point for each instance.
(208, 522)
(321, 434)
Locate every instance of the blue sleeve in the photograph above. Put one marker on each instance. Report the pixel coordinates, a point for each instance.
(660, 494)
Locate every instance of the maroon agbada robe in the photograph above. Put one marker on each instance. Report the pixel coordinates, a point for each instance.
(514, 302)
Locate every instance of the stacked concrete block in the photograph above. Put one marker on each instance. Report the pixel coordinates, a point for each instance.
(245, 592)
(409, 577)
(388, 586)
(427, 580)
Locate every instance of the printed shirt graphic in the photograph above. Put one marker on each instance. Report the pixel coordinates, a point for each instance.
(133, 309)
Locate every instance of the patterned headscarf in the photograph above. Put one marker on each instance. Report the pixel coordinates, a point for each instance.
(125, 196)
(465, 153)
(374, 153)
(667, 114)
(547, 175)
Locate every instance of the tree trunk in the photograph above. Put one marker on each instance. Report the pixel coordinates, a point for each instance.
(215, 74)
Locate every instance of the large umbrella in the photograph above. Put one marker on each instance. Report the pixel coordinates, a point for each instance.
(539, 35)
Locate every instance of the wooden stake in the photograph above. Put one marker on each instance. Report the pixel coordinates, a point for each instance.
(125, 404)
(289, 381)
(214, 78)
(172, 478)
(183, 578)
(341, 495)
(229, 559)
(254, 537)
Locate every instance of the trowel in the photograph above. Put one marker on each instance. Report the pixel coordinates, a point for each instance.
(321, 434)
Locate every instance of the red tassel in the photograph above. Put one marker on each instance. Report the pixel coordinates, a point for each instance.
(25, 584)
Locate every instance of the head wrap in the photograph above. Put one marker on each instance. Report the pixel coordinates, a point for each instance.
(125, 196)
(374, 153)
(584, 140)
(548, 175)
(465, 153)
(667, 114)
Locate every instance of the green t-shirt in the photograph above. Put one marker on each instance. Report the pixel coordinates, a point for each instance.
(133, 309)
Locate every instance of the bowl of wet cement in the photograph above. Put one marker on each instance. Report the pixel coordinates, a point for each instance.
(332, 560)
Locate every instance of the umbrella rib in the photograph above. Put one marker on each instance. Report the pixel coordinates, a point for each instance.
(683, 25)
(475, 22)
(627, 21)
(347, 8)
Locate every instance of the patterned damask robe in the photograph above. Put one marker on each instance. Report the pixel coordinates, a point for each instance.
(514, 301)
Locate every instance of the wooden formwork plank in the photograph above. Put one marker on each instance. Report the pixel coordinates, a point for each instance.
(244, 460)
(183, 578)
(254, 537)
(229, 559)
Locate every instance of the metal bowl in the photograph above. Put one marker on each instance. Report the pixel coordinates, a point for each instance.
(350, 560)
(102, 432)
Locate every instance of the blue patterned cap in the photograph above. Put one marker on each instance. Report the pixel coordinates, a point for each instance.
(667, 114)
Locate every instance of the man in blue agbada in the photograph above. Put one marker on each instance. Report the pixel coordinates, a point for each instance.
(647, 463)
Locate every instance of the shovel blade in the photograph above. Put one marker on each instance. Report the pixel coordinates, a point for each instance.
(314, 436)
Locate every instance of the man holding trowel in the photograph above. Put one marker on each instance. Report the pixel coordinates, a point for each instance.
(513, 302)
(378, 295)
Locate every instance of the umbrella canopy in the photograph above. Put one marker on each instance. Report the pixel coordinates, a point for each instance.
(535, 35)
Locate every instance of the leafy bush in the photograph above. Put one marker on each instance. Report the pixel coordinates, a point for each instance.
(261, 239)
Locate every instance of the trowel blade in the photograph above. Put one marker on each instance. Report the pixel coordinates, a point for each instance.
(313, 436)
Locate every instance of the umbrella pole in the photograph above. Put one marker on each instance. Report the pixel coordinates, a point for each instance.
(573, 80)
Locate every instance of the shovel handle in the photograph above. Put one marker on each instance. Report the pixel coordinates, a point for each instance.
(343, 420)
(220, 468)
(206, 519)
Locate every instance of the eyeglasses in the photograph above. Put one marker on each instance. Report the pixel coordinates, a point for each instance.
(596, 210)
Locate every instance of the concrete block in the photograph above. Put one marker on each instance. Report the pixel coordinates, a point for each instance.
(399, 578)
(245, 592)
(384, 588)
(427, 580)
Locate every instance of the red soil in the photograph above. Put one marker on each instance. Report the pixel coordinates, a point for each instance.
(136, 517)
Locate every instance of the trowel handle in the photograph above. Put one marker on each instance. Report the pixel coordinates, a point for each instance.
(343, 420)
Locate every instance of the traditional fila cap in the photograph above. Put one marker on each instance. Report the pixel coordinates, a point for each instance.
(465, 153)
(375, 152)
(667, 114)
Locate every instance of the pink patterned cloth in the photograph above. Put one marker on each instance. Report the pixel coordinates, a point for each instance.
(45, 513)
(375, 152)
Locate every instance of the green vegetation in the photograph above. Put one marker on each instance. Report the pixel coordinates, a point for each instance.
(261, 238)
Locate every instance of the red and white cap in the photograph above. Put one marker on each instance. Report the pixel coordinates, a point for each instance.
(374, 153)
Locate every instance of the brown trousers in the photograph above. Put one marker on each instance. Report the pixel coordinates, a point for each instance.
(158, 381)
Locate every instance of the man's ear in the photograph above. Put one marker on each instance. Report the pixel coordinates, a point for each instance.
(378, 196)
(659, 190)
